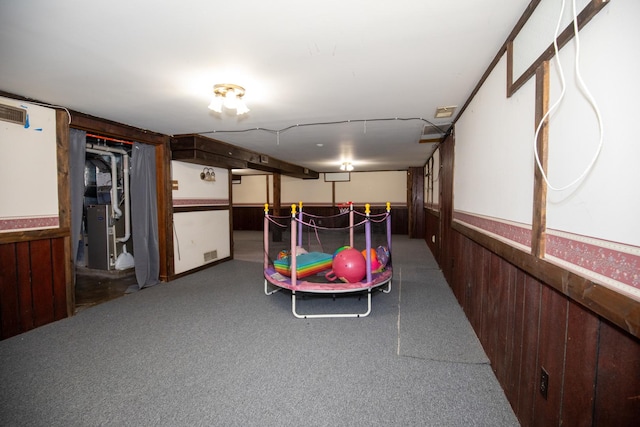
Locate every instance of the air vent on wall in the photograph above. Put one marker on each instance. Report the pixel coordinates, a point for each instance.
(211, 255)
(13, 114)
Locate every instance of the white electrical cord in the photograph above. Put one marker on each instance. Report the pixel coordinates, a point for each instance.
(585, 91)
(53, 106)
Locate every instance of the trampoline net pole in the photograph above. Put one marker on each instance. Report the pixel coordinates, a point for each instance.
(266, 236)
(293, 254)
(351, 224)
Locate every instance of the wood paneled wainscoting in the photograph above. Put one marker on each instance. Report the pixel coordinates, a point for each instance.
(252, 217)
(432, 225)
(529, 329)
(33, 284)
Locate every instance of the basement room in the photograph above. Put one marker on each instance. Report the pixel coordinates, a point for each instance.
(408, 213)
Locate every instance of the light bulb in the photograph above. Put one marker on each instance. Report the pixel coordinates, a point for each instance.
(241, 107)
(231, 99)
(216, 104)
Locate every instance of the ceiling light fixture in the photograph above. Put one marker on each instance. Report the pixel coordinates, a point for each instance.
(208, 174)
(346, 166)
(228, 96)
(444, 112)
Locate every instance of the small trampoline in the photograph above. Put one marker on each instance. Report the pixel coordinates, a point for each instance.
(346, 253)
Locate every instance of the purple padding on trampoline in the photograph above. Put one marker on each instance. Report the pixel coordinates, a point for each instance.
(277, 279)
(306, 264)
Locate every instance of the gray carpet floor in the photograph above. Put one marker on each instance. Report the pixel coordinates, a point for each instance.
(212, 349)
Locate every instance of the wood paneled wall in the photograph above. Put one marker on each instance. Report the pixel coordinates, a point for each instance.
(526, 326)
(415, 197)
(252, 217)
(249, 218)
(432, 231)
(33, 288)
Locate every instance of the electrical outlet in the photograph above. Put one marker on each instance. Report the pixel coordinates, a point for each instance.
(544, 382)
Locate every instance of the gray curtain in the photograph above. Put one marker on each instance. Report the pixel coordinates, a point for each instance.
(144, 215)
(77, 152)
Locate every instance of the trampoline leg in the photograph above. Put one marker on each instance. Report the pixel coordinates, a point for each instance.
(266, 288)
(293, 306)
(329, 315)
(386, 291)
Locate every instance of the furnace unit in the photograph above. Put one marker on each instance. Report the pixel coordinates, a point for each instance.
(102, 252)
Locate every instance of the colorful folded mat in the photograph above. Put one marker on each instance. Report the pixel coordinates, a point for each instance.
(306, 264)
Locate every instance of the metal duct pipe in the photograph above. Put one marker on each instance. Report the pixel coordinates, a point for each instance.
(114, 180)
(103, 150)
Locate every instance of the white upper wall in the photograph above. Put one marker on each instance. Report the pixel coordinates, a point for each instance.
(28, 171)
(252, 189)
(537, 34)
(606, 204)
(190, 186)
(363, 187)
(374, 188)
(296, 190)
(494, 137)
(493, 151)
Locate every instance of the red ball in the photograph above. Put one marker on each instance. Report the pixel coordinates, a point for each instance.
(349, 265)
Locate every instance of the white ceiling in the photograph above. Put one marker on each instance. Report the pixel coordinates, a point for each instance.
(152, 64)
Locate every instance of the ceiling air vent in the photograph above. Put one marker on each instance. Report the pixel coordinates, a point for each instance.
(432, 129)
(13, 114)
(433, 133)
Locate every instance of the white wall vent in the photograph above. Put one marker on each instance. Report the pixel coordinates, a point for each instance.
(13, 114)
(211, 255)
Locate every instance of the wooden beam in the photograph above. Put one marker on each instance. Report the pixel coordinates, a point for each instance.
(207, 151)
(116, 130)
(415, 199)
(64, 207)
(276, 234)
(207, 159)
(539, 220)
(164, 194)
(589, 11)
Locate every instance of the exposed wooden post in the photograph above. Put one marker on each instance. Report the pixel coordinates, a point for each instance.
(164, 194)
(415, 199)
(277, 187)
(64, 206)
(539, 220)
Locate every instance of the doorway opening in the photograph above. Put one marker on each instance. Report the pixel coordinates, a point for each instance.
(105, 259)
